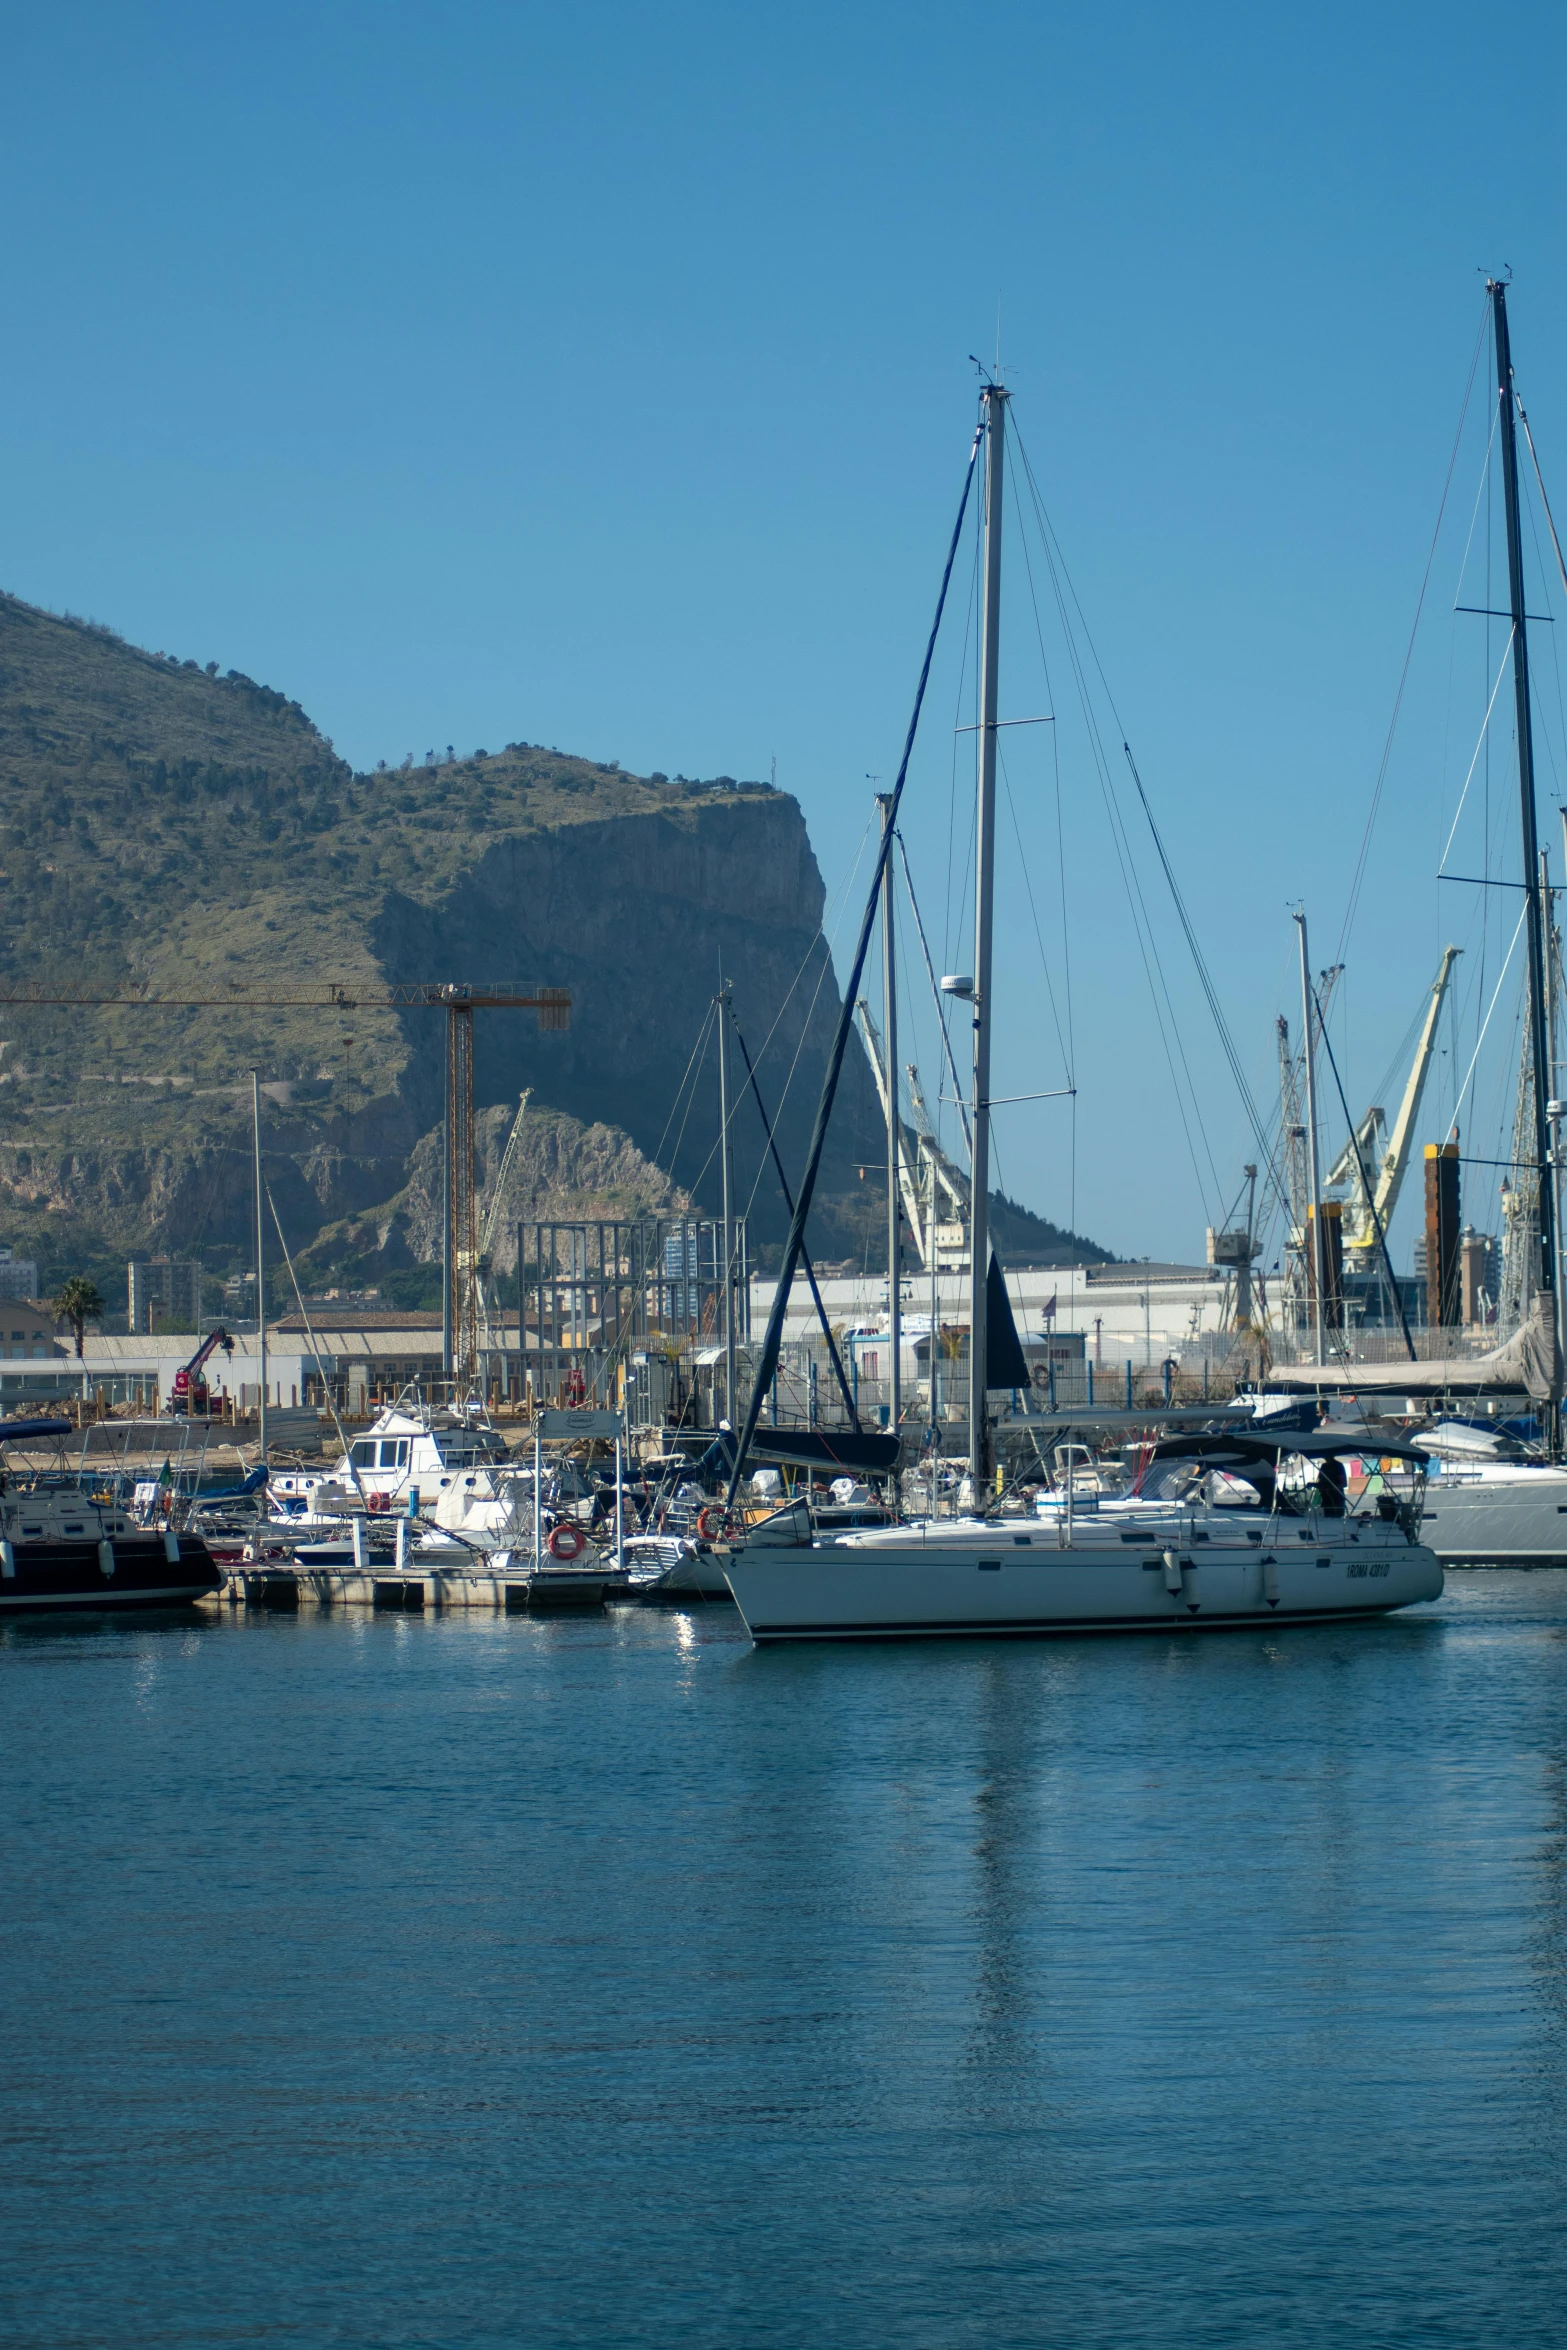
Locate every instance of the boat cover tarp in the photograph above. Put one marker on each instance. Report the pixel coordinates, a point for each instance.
(845, 1452)
(252, 1484)
(13, 1431)
(1527, 1363)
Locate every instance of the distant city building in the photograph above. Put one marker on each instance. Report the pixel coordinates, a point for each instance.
(18, 1275)
(35, 1365)
(162, 1293)
(26, 1333)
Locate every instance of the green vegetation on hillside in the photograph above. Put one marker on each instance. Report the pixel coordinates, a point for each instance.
(129, 775)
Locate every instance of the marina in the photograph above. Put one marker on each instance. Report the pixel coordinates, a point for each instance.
(783, 1083)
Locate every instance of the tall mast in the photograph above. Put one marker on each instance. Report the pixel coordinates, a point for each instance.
(984, 901)
(726, 1164)
(1313, 1154)
(889, 1006)
(261, 1263)
(447, 1349)
(1531, 850)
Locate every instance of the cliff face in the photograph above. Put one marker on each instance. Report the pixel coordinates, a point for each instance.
(171, 831)
(641, 916)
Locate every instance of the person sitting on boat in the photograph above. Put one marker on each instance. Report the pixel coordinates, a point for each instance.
(1331, 1487)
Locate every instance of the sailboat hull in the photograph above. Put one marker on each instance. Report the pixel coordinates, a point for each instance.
(1022, 1586)
(1498, 1521)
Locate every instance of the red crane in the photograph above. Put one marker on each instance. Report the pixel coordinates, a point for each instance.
(191, 1398)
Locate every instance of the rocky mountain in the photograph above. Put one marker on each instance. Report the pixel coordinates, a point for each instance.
(167, 830)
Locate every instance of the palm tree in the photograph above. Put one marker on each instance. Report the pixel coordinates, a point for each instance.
(79, 1303)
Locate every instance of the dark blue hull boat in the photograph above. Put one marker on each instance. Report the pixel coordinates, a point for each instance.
(132, 1570)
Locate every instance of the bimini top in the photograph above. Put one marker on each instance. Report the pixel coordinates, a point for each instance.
(11, 1431)
(1227, 1451)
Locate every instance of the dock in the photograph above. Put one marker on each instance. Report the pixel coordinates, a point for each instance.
(286, 1586)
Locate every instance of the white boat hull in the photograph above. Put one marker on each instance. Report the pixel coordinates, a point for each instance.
(1498, 1520)
(1007, 1584)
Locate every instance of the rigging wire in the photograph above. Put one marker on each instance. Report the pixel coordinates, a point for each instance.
(1556, 666)
(1069, 1050)
(1550, 520)
(1367, 1193)
(1359, 876)
(1482, 486)
(805, 1254)
(810, 1012)
(941, 1016)
(773, 1336)
(1485, 728)
(696, 1049)
(1208, 988)
(1028, 885)
(970, 631)
(1142, 924)
(1490, 1008)
(707, 1030)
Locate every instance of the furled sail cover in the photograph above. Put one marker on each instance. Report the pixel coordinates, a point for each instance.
(839, 1451)
(1004, 1363)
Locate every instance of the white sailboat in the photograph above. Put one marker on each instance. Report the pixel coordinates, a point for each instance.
(1146, 1563)
(1173, 1561)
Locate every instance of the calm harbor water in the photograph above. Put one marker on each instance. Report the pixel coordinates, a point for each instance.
(390, 1981)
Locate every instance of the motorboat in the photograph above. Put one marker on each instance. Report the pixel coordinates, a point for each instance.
(62, 1546)
(1151, 1562)
(406, 1454)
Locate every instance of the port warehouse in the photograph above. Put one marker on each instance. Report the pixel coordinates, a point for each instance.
(1161, 1325)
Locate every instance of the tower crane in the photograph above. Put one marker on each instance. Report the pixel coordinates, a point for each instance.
(459, 999)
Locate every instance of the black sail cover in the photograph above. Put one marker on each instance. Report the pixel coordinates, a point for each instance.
(1004, 1363)
(839, 1452)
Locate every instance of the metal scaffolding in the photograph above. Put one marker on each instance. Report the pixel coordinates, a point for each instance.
(591, 1291)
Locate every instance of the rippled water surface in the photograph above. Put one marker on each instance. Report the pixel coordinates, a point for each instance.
(380, 1980)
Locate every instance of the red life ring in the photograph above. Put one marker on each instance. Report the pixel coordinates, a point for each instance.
(710, 1521)
(378, 1501)
(566, 1541)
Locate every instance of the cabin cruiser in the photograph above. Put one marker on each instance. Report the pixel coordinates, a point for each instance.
(451, 1478)
(63, 1547)
(1180, 1554)
(408, 1454)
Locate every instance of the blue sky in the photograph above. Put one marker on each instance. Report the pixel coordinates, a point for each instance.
(600, 377)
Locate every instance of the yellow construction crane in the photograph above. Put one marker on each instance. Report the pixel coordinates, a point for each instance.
(1386, 1157)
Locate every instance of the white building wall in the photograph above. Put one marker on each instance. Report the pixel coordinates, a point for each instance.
(109, 1360)
(1122, 1319)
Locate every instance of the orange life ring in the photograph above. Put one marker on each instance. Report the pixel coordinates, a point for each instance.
(566, 1541)
(378, 1501)
(710, 1521)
